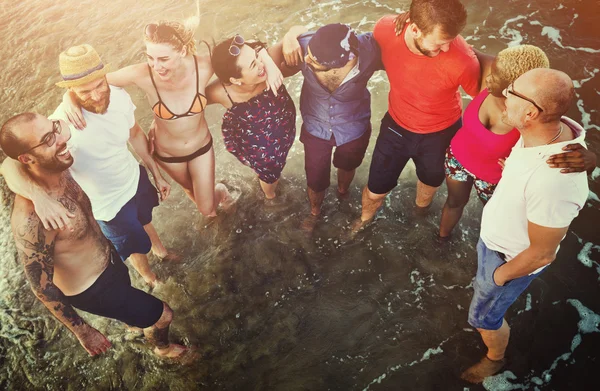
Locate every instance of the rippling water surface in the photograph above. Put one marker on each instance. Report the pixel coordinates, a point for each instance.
(269, 309)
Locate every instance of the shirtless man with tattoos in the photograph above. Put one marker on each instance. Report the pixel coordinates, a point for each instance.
(76, 268)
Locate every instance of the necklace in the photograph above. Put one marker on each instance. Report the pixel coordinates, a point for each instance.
(560, 130)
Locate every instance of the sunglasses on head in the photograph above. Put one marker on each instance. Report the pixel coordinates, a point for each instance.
(236, 43)
(162, 31)
(49, 138)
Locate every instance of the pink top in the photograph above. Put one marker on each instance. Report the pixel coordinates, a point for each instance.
(477, 148)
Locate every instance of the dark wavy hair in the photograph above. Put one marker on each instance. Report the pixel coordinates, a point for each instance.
(224, 64)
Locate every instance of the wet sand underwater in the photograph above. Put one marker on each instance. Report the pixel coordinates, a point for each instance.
(272, 310)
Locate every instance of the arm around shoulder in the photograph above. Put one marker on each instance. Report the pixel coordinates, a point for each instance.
(128, 76)
(52, 213)
(485, 66)
(215, 93)
(276, 53)
(469, 76)
(205, 69)
(290, 47)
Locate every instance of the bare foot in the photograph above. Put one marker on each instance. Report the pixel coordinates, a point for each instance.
(309, 223)
(272, 201)
(343, 195)
(177, 353)
(442, 239)
(134, 330)
(271, 196)
(355, 227)
(482, 369)
(171, 256)
(151, 280)
(225, 198)
(421, 210)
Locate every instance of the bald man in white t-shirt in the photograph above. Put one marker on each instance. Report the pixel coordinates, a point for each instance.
(530, 211)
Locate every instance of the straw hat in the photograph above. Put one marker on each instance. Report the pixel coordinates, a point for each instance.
(79, 65)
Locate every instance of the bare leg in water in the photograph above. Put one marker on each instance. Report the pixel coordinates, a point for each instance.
(158, 335)
(496, 341)
(458, 196)
(371, 202)
(158, 248)
(197, 178)
(345, 178)
(141, 265)
(425, 194)
(269, 189)
(202, 172)
(316, 200)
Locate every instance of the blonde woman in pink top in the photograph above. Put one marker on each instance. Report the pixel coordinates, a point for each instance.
(477, 151)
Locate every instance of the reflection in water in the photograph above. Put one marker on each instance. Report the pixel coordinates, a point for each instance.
(268, 308)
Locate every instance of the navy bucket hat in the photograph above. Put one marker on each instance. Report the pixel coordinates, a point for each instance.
(332, 44)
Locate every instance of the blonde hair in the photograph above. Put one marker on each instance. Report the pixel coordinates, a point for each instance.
(514, 61)
(185, 31)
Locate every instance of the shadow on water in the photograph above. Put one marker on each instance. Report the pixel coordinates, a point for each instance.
(269, 308)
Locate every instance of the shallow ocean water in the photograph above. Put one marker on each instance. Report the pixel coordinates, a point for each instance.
(271, 310)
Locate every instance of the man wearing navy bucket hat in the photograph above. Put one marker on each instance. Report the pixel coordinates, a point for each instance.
(335, 104)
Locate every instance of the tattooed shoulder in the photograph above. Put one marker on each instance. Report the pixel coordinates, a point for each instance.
(32, 240)
(71, 193)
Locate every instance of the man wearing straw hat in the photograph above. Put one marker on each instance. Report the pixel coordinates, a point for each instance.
(121, 194)
(77, 268)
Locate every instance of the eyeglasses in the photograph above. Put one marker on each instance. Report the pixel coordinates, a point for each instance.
(49, 138)
(162, 30)
(510, 90)
(236, 43)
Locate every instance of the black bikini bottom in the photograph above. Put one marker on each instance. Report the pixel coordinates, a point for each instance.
(183, 159)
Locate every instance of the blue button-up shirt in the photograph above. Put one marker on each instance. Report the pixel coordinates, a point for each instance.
(345, 112)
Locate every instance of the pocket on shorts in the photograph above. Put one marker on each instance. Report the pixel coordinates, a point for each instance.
(394, 131)
(494, 262)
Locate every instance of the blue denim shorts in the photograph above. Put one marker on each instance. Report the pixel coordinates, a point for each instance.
(126, 229)
(490, 301)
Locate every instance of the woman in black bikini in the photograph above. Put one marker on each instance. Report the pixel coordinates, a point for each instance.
(174, 80)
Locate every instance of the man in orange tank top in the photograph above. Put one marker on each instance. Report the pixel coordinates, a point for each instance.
(426, 61)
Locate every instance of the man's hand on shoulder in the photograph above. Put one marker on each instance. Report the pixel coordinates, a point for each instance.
(292, 52)
(73, 111)
(52, 213)
(400, 21)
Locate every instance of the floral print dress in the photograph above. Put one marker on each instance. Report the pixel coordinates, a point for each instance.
(261, 131)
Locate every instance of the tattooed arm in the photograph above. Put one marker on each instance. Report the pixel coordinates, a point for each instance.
(36, 251)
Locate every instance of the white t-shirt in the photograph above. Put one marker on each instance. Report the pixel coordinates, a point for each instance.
(530, 190)
(102, 164)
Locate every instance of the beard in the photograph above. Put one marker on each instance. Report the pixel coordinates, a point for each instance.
(425, 52)
(54, 164)
(506, 119)
(97, 107)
